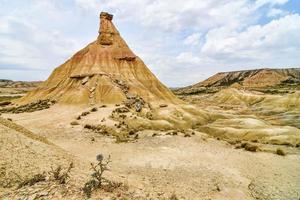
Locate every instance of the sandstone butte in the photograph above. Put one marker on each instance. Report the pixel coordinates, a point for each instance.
(105, 71)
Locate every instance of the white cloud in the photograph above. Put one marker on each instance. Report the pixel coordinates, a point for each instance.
(275, 12)
(270, 2)
(180, 41)
(193, 39)
(278, 38)
(175, 15)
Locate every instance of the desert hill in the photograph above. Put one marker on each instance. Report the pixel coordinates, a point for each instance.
(5, 83)
(258, 78)
(105, 71)
(16, 87)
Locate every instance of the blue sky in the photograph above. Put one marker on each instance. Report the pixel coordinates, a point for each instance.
(182, 42)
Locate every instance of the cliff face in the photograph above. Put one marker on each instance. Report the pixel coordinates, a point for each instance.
(106, 71)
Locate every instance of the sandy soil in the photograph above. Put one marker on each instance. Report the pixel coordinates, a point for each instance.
(197, 167)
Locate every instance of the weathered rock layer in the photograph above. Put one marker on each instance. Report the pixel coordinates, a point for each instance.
(106, 71)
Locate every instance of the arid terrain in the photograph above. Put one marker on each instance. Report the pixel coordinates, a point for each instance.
(212, 141)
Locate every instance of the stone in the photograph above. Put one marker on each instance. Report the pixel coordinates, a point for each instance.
(138, 106)
(85, 80)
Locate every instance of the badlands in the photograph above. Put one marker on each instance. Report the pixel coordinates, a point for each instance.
(102, 126)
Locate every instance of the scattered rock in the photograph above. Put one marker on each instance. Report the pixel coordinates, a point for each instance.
(92, 89)
(138, 106)
(85, 80)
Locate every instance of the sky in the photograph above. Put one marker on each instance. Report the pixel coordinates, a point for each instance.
(182, 42)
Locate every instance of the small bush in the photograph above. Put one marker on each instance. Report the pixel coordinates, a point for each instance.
(74, 123)
(31, 181)
(94, 109)
(187, 135)
(251, 147)
(154, 135)
(280, 152)
(60, 176)
(85, 113)
(97, 180)
(88, 126)
(248, 147)
(173, 197)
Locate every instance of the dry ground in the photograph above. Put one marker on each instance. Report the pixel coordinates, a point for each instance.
(197, 167)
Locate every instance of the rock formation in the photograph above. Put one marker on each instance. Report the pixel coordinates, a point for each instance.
(106, 71)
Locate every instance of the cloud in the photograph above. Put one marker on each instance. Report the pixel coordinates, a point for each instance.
(275, 12)
(270, 2)
(27, 42)
(277, 39)
(182, 42)
(193, 39)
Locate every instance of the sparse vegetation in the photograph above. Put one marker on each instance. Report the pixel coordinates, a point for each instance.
(85, 113)
(248, 147)
(187, 135)
(61, 176)
(97, 180)
(57, 174)
(74, 123)
(33, 180)
(280, 152)
(173, 197)
(94, 109)
(31, 107)
(251, 147)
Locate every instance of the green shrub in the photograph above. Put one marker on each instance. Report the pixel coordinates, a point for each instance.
(97, 180)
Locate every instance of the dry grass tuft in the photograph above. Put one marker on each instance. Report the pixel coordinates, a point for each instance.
(280, 152)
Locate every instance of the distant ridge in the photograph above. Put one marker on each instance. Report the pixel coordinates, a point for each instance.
(256, 78)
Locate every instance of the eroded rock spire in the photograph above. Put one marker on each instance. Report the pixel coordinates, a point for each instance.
(107, 30)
